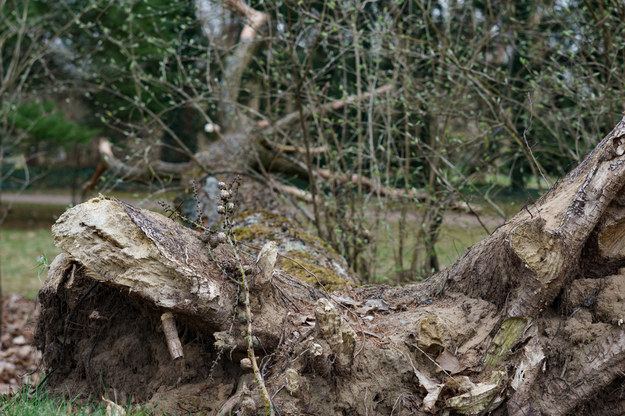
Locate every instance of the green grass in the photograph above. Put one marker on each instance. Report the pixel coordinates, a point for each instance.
(453, 240)
(26, 241)
(22, 252)
(41, 403)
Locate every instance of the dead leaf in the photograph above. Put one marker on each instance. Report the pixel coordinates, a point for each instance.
(433, 389)
(479, 397)
(373, 305)
(345, 300)
(449, 362)
(113, 409)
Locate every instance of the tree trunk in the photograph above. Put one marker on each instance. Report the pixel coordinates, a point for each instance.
(528, 321)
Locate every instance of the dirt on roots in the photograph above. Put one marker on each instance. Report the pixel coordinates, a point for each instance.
(98, 342)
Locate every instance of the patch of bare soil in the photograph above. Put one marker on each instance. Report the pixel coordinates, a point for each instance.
(99, 341)
(19, 361)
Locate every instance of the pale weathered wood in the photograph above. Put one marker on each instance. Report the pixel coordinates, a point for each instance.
(167, 264)
(171, 336)
(145, 254)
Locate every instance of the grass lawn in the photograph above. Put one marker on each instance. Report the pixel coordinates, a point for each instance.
(26, 403)
(25, 243)
(21, 252)
(455, 237)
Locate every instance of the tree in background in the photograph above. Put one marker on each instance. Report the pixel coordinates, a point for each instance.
(29, 39)
(373, 105)
(30, 115)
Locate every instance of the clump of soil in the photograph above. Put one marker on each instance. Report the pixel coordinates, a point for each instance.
(101, 342)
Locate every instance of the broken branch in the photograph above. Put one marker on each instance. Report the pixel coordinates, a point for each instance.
(171, 335)
(144, 170)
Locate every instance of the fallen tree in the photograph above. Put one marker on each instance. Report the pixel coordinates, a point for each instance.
(528, 321)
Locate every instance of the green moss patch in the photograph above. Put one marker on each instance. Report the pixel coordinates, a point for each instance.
(295, 264)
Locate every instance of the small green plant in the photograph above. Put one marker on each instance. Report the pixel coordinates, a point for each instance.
(42, 262)
(42, 265)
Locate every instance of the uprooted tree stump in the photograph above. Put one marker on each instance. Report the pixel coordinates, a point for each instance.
(526, 322)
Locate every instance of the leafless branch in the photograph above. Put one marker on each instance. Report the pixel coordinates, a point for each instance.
(144, 170)
(335, 105)
(244, 51)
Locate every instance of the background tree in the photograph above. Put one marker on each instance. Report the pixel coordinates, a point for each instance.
(370, 104)
(29, 52)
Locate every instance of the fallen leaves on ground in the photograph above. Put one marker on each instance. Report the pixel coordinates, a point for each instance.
(19, 360)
